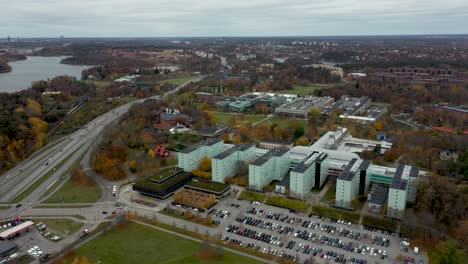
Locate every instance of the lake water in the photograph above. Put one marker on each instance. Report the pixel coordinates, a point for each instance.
(34, 69)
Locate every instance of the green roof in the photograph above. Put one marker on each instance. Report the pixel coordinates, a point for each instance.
(161, 186)
(162, 175)
(207, 185)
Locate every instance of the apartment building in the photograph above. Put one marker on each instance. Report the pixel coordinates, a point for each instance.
(190, 158)
(308, 174)
(226, 163)
(273, 165)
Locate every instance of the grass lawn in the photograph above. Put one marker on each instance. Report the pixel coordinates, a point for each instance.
(252, 196)
(24, 259)
(336, 213)
(136, 243)
(225, 118)
(329, 196)
(300, 90)
(381, 223)
(5, 207)
(288, 203)
(178, 81)
(61, 225)
(76, 193)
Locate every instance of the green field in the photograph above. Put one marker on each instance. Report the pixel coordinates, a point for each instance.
(300, 90)
(75, 193)
(252, 196)
(178, 81)
(288, 203)
(225, 118)
(336, 213)
(137, 243)
(61, 225)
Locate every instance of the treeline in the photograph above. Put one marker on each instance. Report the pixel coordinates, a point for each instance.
(440, 210)
(26, 116)
(402, 97)
(133, 141)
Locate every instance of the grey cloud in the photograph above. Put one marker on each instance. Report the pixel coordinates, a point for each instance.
(88, 18)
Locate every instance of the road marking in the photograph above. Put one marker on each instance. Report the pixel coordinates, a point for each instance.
(50, 185)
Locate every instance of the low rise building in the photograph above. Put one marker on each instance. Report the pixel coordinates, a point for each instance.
(377, 198)
(7, 248)
(226, 163)
(300, 108)
(272, 143)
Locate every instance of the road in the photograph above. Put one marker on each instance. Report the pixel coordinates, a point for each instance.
(54, 160)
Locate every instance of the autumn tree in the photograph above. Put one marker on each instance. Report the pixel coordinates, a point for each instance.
(205, 164)
(302, 141)
(132, 165)
(448, 253)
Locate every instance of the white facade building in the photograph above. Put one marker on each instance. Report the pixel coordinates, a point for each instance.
(190, 158)
(226, 163)
(271, 166)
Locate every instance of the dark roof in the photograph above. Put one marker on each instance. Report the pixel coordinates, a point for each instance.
(379, 196)
(227, 153)
(356, 107)
(347, 175)
(211, 130)
(309, 161)
(364, 165)
(207, 142)
(167, 116)
(6, 246)
(414, 172)
(274, 141)
(285, 181)
(276, 152)
(398, 182)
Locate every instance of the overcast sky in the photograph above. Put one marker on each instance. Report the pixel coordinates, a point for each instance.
(169, 18)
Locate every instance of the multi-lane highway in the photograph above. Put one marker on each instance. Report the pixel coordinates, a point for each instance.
(53, 161)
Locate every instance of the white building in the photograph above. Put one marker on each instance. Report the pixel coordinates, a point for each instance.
(226, 163)
(190, 158)
(310, 173)
(271, 166)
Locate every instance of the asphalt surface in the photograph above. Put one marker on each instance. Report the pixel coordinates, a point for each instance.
(221, 231)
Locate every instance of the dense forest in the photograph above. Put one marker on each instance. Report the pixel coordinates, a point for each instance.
(26, 116)
(134, 140)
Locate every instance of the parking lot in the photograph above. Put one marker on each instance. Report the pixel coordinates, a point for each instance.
(297, 236)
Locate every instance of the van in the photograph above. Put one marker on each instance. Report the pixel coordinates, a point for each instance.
(416, 250)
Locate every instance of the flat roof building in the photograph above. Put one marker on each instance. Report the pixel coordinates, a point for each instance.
(7, 248)
(300, 108)
(190, 158)
(310, 173)
(226, 163)
(16, 229)
(271, 166)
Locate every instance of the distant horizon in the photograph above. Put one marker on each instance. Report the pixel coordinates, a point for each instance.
(13, 38)
(213, 18)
